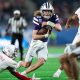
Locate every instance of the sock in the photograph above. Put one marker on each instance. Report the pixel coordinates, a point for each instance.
(21, 77)
(59, 71)
(23, 73)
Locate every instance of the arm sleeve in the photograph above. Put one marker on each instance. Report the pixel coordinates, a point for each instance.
(36, 23)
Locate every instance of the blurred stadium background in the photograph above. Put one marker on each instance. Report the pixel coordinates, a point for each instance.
(57, 41)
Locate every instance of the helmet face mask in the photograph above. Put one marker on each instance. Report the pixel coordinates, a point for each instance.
(47, 14)
(47, 10)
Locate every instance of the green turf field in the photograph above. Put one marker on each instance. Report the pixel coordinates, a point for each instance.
(45, 72)
(53, 49)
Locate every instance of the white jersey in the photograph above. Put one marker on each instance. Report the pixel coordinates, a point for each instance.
(17, 25)
(6, 62)
(78, 13)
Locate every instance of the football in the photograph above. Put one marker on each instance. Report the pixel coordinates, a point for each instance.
(42, 31)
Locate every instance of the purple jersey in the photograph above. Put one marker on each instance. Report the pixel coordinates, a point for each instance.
(37, 21)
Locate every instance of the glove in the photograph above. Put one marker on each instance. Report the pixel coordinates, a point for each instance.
(49, 23)
(46, 35)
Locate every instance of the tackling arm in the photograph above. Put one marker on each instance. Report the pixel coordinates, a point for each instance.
(18, 75)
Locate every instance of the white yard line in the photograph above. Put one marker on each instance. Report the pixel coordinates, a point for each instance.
(50, 55)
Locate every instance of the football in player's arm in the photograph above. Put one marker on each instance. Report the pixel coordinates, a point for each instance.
(49, 24)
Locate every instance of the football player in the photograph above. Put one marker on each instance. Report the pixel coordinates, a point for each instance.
(47, 18)
(76, 16)
(6, 62)
(69, 60)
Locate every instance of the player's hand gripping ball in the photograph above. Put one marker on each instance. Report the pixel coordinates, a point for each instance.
(43, 31)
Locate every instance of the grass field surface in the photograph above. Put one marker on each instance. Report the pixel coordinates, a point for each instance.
(45, 72)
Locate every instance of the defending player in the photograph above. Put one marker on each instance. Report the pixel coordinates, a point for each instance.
(6, 62)
(76, 16)
(47, 18)
(69, 60)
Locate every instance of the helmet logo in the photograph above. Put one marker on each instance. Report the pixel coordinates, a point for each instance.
(47, 10)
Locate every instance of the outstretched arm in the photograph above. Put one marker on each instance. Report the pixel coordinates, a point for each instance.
(17, 74)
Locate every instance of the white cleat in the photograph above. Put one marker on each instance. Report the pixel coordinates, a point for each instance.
(34, 78)
(23, 73)
(57, 73)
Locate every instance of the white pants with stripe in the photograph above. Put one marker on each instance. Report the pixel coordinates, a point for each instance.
(37, 47)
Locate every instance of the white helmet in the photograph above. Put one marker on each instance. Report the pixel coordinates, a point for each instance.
(16, 12)
(10, 51)
(47, 6)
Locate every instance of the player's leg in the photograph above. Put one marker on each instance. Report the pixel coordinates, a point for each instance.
(41, 60)
(20, 39)
(73, 56)
(70, 67)
(66, 66)
(13, 38)
(58, 72)
(74, 67)
(63, 59)
(72, 61)
(28, 58)
(33, 67)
